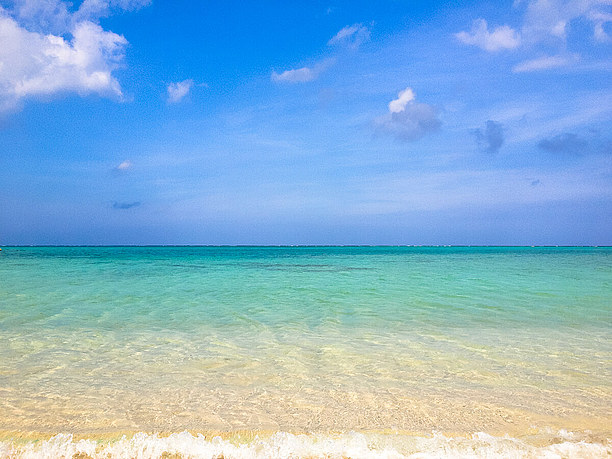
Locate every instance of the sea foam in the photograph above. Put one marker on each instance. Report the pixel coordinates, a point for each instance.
(286, 445)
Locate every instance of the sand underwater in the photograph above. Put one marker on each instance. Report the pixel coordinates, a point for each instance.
(305, 352)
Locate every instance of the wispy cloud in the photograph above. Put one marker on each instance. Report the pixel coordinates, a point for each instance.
(545, 63)
(302, 75)
(562, 115)
(447, 189)
(58, 17)
(351, 36)
(177, 91)
(407, 119)
(553, 18)
(491, 138)
(600, 19)
(544, 21)
(502, 37)
(103, 8)
(295, 76)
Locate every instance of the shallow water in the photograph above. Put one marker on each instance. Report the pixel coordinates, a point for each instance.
(306, 340)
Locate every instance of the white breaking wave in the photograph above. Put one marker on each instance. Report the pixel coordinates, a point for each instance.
(287, 445)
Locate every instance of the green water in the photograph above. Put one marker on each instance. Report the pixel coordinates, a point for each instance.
(304, 338)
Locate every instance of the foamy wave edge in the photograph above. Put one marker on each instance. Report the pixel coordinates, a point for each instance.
(284, 445)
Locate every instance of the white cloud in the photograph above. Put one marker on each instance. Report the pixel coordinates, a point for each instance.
(502, 37)
(125, 165)
(407, 119)
(301, 75)
(177, 91)
(295, 76)
(36, 64)
(544, 26)
(352, 36)
(399, 104)
(544, 63)
(48, 49)
(543, 21)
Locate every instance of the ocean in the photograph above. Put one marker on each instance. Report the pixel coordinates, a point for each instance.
(305, 351)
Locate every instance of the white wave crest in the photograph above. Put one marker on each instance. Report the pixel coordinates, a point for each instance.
(286, 445)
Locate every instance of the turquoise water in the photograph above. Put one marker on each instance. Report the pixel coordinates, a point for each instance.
(305, 339)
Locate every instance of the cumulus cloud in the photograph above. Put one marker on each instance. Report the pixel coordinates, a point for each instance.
(491, 138)
(125, 205)
(351, 36)
(35, 64)
(399, 104)
(47, 49)
(177, 91)
(502, 37)
(301, 75)
(564, 143)
(544, 63)
(407, 119)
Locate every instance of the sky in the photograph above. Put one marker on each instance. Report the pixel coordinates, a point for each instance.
(322, 122)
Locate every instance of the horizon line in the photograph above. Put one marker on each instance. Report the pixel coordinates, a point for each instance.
(316, 245)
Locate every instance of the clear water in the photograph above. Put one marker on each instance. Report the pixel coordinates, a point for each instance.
(314, 340)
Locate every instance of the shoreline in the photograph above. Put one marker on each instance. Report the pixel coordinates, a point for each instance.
(269, 444)
(542, 434)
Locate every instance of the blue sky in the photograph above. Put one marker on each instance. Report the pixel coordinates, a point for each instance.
(392, 122)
